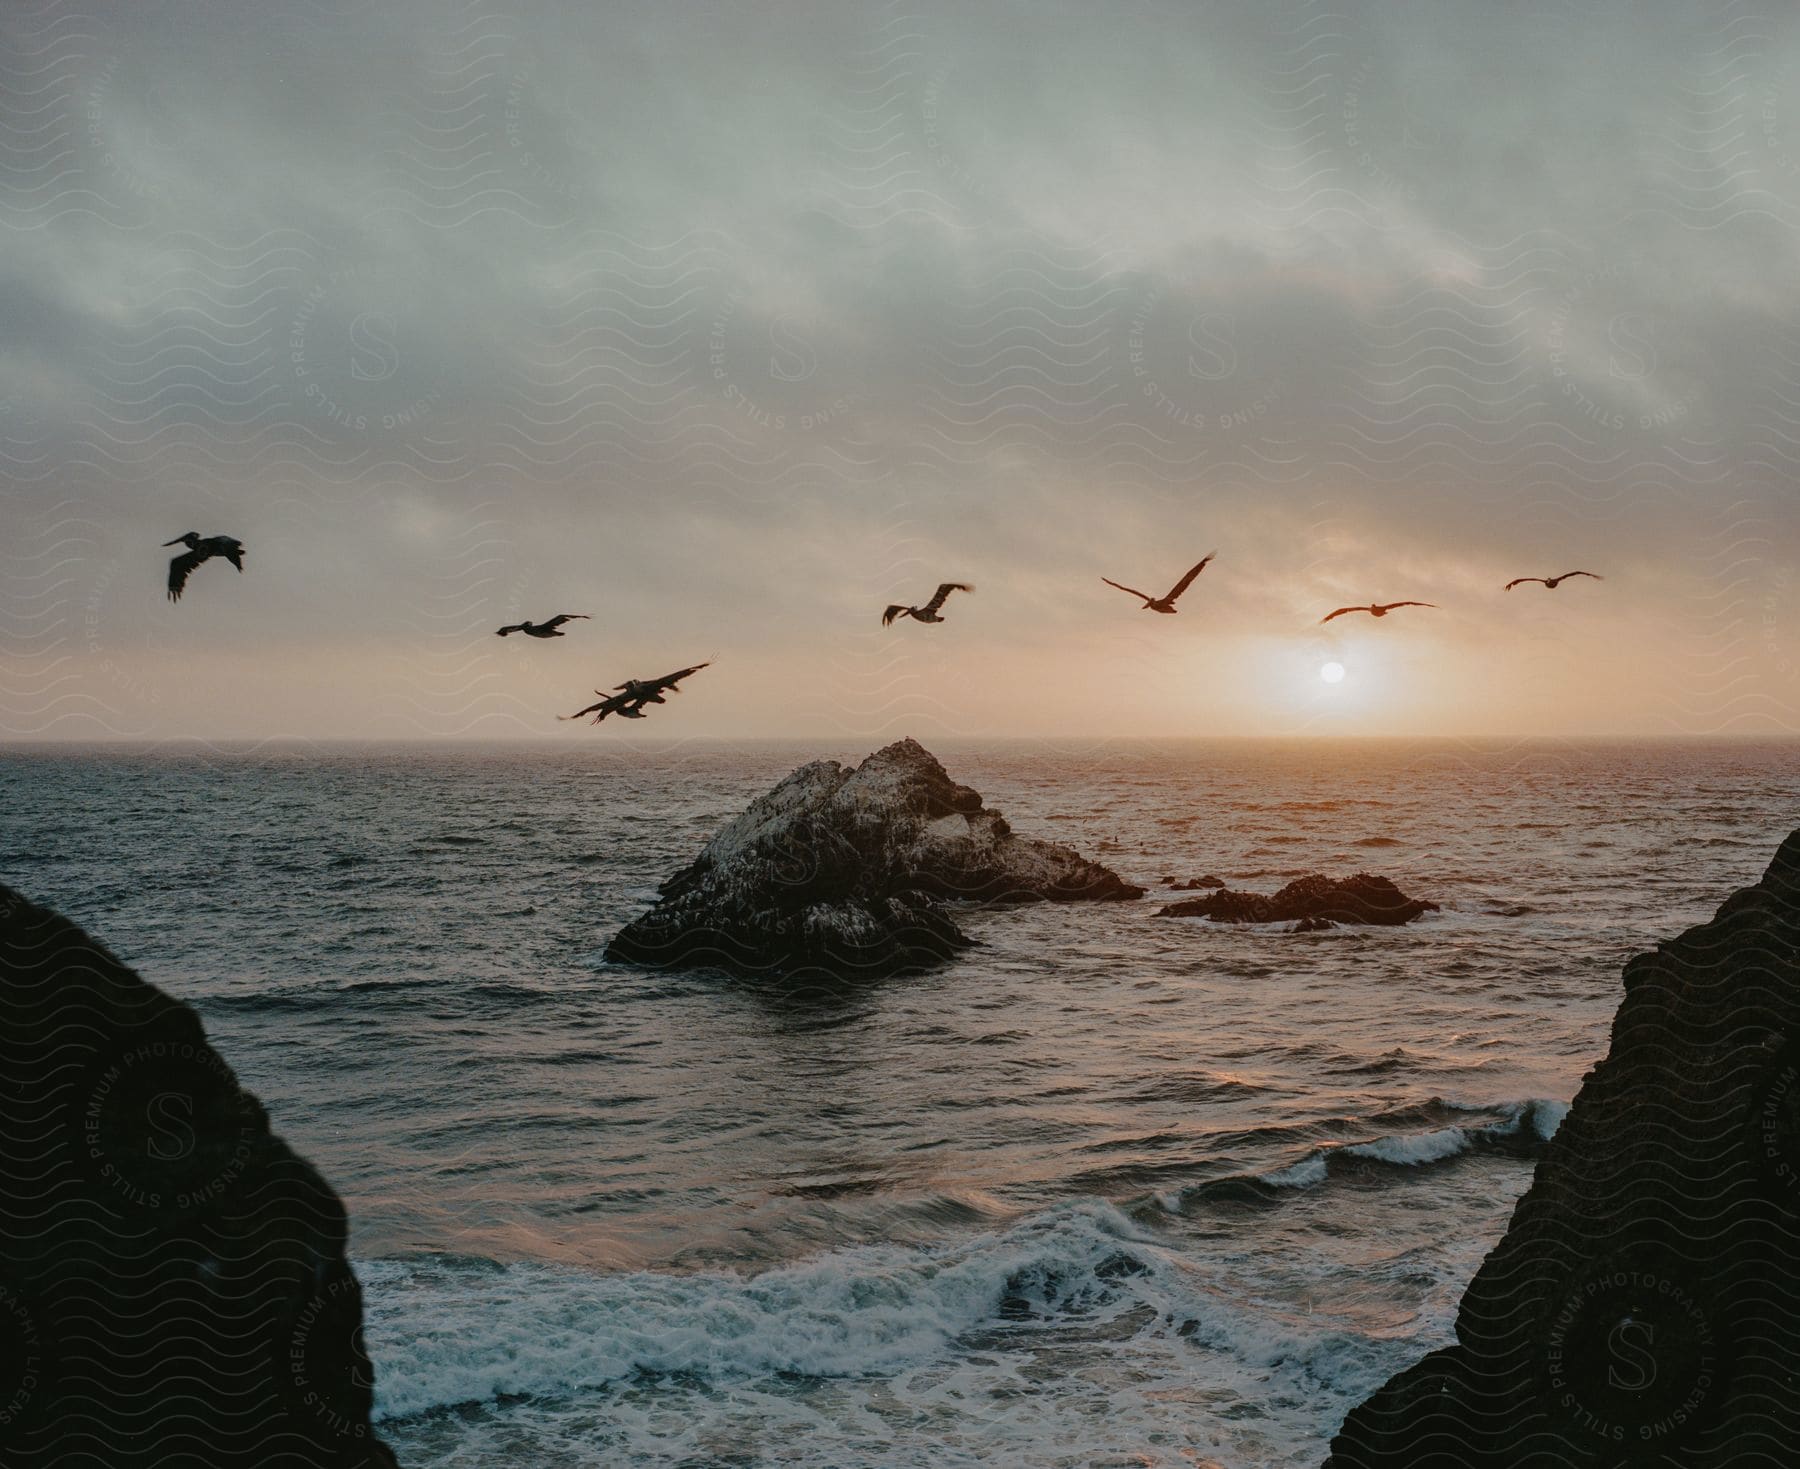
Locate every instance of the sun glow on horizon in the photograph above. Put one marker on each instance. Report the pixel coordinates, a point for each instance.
(1332, 673)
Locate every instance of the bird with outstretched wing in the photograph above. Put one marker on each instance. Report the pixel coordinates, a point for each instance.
(200, 549)
(651, 690)
(1375, 609)
(932, 610)
(622, 704)
(628, 699)
(1166, 602)
(1551, 581)
(550, 627)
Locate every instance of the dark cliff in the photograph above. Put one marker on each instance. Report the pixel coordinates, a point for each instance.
(173, 1286)
(1643, 1307)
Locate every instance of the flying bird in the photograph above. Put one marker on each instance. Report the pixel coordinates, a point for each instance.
(629, 698)
(200, 548)
(609, 704)
(1375, 609)
(651, 690)
(1552, 581)
(1166, 602)
(550, 627)
(929, 612)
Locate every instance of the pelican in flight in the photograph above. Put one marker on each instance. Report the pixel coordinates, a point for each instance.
(550, 627)
(200, 548)
(651, 690)
(930, 611)
(1166, 602)
(1375, 609)
(629, 698)
(609, 704)
(1551, 582)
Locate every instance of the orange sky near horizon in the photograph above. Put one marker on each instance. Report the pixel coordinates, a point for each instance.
(1529, 663)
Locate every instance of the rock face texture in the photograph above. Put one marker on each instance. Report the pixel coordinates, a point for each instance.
(173, 1287)
(1359, 899)
(1643, 1307)
(840, 871)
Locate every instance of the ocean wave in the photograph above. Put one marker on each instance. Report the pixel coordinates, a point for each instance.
(448, 1331)
(451, 1330)
(1068, 1338)
(1522, 1129)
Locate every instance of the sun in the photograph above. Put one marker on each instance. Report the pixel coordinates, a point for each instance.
(1332, 673)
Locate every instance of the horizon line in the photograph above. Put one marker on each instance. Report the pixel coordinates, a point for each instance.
(638, 741)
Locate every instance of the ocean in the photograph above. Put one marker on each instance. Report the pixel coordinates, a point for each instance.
(1108, 1190)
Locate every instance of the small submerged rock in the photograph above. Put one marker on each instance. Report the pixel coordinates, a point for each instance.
(1315, 899)
(1193, 884)
(845, 872)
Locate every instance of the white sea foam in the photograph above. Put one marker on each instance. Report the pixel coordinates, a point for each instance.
(1547, 1117)
(1416, 1148)
(447, 1332)
(1411, 1150)
(1070, 1338)
(1541, 1115)
(1304, 1174)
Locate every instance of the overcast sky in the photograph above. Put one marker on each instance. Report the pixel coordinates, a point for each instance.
(729, 324)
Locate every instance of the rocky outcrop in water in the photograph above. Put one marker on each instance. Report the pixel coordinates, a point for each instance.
(1193, 884)
(1322, 900)
(844, 871)
(173, 1287)
(1643, 1307)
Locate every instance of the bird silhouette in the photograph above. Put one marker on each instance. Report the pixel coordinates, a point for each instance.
(550, 627)
(929, 612)
(651, 690)
(1551, 581)
(1375, 609)
(622, 704)
(1166, 602)
(200, 548)
(629, 698)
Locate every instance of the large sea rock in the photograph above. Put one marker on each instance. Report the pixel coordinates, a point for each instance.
(173, 1287)
(845, 871)
(1643, 1307)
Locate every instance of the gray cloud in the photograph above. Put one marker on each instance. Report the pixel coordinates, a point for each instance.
(729, 323)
